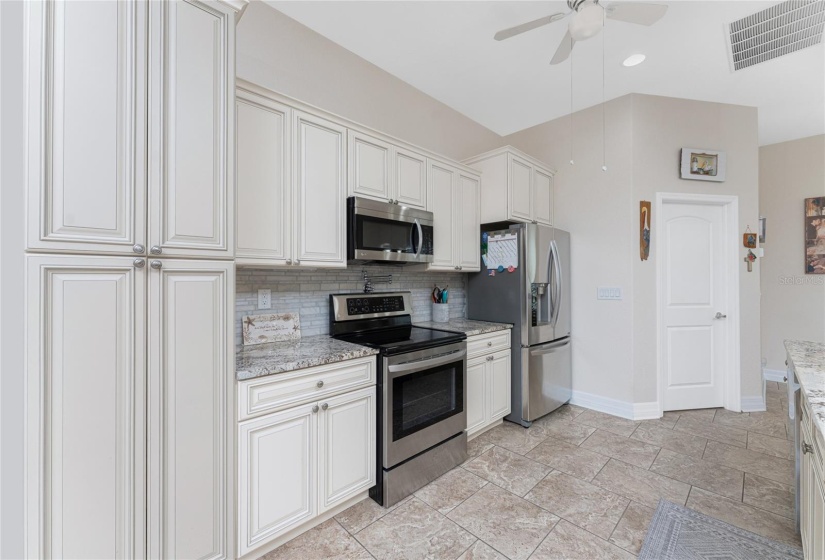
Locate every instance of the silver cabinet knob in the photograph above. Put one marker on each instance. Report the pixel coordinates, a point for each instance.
(319, 384)
(156, 265)
(315, 408)
(289, 261)
(139, 263)
(155, 250)
(785, 379)
(297, 261)
(719, 315)
(138, 248)
(324, 406)
(489, 358)
(807, 448)
(490, 343)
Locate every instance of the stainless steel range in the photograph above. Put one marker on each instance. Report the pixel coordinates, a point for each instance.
(422, 376)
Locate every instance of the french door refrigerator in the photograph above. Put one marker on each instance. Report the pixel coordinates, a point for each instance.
(535, 298)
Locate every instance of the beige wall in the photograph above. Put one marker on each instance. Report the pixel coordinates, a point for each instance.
(615, 351)
(283, 55)
(793, 303)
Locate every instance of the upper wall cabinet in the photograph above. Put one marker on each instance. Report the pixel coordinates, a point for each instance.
(516, 187)
(93, 185)
(455, 216)
(385, 171)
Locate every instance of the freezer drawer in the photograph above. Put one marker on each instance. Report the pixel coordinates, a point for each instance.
(549, 378)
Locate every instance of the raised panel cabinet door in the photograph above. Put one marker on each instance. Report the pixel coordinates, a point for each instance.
(476, 402)
(262, 191)
(806, 494)
(86, 126)
(85, 455)
(542, 197)
(410, 170)
(369, 166)
(468, 222)
(191, 409)
(346, 449)
(277, 462)
(499, 385)
(191, 128)
(319, 174)
(520, 189)
(442, 194)
(818, 518)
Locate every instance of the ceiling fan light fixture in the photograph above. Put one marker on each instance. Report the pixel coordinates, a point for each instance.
(587, 22)
(633, 60)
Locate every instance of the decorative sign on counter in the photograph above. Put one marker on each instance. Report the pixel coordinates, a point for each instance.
(260, 329)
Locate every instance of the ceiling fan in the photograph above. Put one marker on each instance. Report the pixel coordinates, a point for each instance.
(587, 21)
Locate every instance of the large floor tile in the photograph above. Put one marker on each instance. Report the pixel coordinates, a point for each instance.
(670, 439)
(579, 502)
(769, 495)
(415, 531)
(640, 485)
(511, 525)
(700, 414)
(744, 516)
(327, 540)
(613, 424)
(632, 528)
(446, 492)
(560, 428)
(709, 430)
(624, 449)
(365, 512)
(514, 437)
(569, 542)
(482, 551)
(774, 468)
(668, 420)
(568, 458)
(476, 447)
(508, 470)
(768, 424)
(711, 476)
(775, 446)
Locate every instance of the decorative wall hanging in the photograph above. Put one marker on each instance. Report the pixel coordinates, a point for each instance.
(749, 259)
(815, 235)
(749, 239)
(644, 229)
(260, 329)
(762, 228)
(703, 165)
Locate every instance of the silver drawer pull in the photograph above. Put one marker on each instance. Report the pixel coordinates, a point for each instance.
(490, 358)
(319, 384)
(807, 448)
(315, 409)
(324, 406)
(490, 343)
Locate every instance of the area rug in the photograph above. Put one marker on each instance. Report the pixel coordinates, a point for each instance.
(679, 533)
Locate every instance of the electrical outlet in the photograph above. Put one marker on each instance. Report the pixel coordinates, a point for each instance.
(608, 293)
(264, 299)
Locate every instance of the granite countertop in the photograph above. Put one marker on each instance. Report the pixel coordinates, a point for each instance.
(809, 364)
(466, 326)
(280, 357)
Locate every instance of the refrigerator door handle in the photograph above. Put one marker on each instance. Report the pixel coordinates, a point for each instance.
(557, 282)
(549, 348)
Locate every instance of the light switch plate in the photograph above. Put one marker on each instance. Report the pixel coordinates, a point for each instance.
(609, 293)
(264, 299)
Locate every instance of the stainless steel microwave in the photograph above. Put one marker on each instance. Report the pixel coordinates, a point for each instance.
(382, 231)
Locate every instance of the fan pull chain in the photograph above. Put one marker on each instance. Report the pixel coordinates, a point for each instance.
(604, 128)
(570, 120)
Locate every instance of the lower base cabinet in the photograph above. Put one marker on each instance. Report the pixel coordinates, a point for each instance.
(812, 489)
(298, 463)
(488, 382)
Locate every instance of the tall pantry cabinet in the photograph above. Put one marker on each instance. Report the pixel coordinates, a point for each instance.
(130, 278)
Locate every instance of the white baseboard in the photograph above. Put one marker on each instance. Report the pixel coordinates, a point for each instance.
(623, 409)
(753, 404)
(774, 374)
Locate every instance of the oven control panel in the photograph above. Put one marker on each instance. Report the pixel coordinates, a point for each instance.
(369, 305)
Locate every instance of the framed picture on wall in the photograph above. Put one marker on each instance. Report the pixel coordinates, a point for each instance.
(703, 165)
(815, 235)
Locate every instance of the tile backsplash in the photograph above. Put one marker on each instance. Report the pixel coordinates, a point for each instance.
(307, 292)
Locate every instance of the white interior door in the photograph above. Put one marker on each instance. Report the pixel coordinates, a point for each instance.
(693, 302)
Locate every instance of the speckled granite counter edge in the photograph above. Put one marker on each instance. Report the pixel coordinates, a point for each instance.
(469, 327)
(809, 364)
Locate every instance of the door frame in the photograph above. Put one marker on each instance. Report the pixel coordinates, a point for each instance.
(731, 386)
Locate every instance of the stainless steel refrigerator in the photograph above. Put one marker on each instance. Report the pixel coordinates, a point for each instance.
(535, 298)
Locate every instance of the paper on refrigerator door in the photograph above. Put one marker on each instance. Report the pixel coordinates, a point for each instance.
(502, 251)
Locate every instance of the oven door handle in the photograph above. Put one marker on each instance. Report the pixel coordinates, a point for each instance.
(419, 365)
(420, 238)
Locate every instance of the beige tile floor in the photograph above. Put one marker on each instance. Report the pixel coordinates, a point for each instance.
(579, 484)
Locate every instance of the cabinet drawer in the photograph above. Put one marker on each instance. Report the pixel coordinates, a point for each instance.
(276, 392)
(485, 343)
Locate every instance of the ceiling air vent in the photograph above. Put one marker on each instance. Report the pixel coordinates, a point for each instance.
(776, 31)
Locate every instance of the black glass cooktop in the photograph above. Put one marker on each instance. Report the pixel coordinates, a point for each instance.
(402, 339)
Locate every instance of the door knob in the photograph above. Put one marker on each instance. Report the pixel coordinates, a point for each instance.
(720, 315)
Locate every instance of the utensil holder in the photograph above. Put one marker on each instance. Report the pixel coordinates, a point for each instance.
(441, 312)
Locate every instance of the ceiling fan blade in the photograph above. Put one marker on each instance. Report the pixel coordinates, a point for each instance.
(564, 50)
(640, 13)
(518, 29)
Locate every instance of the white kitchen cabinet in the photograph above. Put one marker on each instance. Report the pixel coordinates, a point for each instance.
(384, 171)
(322, 419)
(516, 187)
(455, 205)
(812, 486)
(488, 380)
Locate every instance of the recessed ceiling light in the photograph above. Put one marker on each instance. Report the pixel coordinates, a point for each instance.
(633, 60)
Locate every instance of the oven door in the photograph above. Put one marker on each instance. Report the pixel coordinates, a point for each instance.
(424, 394)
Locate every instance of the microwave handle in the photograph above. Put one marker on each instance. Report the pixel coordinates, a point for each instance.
(420, 238)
